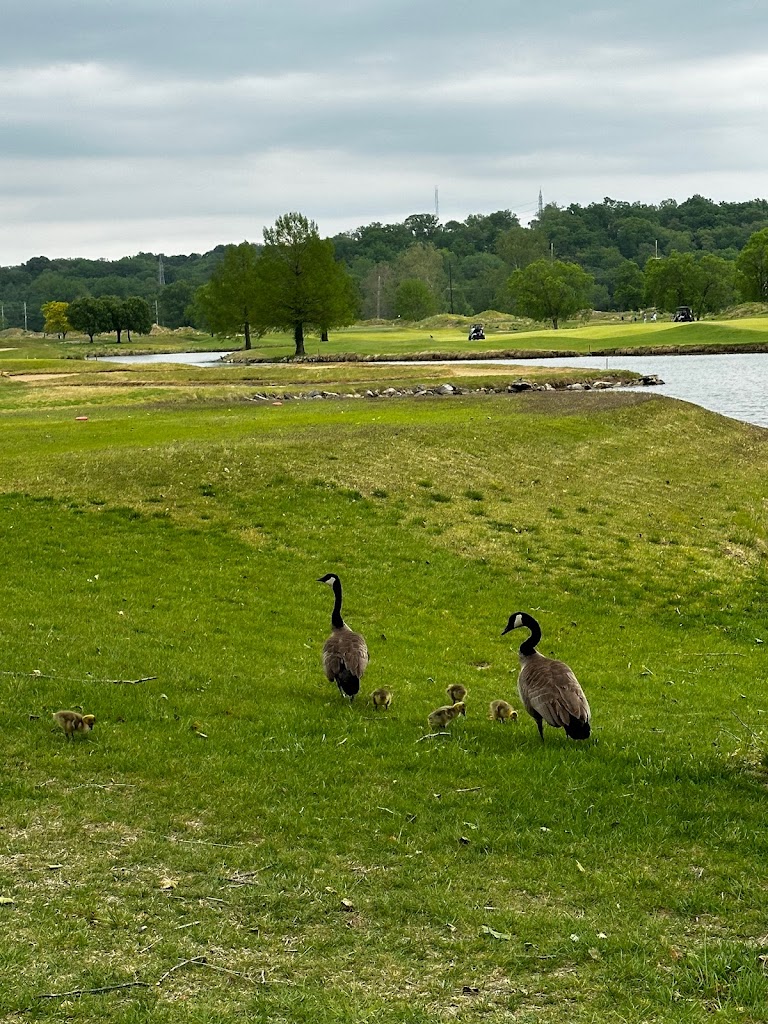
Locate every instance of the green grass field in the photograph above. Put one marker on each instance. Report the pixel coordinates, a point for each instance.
(234, 840)
(504, 335)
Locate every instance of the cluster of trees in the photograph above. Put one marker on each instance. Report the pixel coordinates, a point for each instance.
(98, 316)
(294, 283)
(696, 253)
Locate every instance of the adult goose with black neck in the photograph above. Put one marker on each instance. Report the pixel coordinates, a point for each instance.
(345, 653)
(549, 690)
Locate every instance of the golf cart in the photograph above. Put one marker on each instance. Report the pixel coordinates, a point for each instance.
(476, 333)
(683, 315)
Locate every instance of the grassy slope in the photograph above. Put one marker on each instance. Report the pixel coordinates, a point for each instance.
(624, 876)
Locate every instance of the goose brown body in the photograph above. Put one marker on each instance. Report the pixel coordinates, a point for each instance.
(345, 653)
(549, 689)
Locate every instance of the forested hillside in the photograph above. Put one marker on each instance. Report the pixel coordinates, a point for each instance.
(422, 266)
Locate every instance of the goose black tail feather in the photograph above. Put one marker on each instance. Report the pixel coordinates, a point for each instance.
(348, 684)
(577, 729)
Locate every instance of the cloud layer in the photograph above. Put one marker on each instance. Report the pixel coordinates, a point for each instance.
(175, 127)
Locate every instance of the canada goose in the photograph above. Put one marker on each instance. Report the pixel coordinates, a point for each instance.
(501, 711)
(72, 722)
(345, 654)
(456, 692)
(381, 698)
(548, 689)
(440, 717)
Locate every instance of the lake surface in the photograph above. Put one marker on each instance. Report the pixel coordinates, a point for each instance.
(734, 385)
(186, 358)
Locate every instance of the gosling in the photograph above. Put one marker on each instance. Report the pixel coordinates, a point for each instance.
(72, 722)
(501, 711)
(440, 717)
(381, 698)
(456, 692)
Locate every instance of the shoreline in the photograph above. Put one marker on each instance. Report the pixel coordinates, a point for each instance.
(518, 354)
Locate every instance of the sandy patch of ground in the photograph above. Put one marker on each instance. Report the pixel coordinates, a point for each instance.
(32, 378)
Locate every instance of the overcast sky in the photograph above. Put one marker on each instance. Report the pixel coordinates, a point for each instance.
(175, 125)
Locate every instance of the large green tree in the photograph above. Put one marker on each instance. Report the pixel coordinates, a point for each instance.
(414, 300)
(550, 290)
(299, 284)
(174, 302)
(227, 301)
(88, 315)
(56, 320)
(137, 315)
(703, 282)
(752, 268)
(629, 286)
(126, 314)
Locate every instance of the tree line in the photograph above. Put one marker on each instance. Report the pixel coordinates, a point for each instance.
(633, 255)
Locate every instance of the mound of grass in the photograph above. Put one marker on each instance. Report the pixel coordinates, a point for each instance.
(238, 840)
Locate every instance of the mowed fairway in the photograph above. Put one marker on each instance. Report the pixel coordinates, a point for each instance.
(234, 841)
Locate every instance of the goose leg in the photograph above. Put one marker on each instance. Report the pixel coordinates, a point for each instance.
(538, 720)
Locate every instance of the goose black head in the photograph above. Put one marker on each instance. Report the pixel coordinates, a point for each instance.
(515, 622)
(330, 578)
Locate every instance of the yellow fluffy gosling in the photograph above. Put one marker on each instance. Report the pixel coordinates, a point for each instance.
(456, 692)
(72, 722)
(440, 717)
(381, 698)
(501, 711)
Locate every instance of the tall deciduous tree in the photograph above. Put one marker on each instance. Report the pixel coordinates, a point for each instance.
(56, 321)
(681, 279)
(129, 314)
(299, 284)
(752, 268)
(88, 315)
(137, 315)
(227, 301)
(550, 290)
(629, 287)
(414, 300)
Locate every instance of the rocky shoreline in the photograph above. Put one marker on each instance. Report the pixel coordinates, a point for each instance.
(422, 391)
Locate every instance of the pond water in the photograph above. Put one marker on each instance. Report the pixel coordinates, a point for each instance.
(734, 385)
(185, 358)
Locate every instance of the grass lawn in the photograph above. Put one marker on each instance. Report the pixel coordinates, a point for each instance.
(235, 841)
(505, 336)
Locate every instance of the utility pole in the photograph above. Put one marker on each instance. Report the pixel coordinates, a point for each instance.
(450, 284)
(2, 317)
(378, 297)
(157, 314)
(160, 271)
(25, 314)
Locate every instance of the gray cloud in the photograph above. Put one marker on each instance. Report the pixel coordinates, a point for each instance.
(175, 127)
